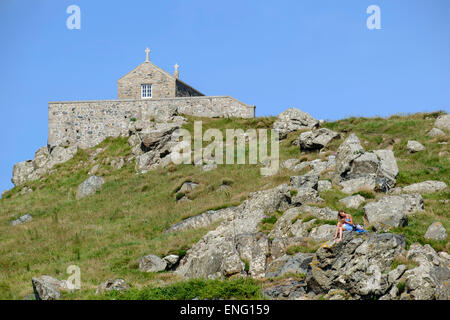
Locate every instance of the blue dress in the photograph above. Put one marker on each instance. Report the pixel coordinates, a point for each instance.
(348, 226)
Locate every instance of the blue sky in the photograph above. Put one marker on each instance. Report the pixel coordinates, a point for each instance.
(317, 55)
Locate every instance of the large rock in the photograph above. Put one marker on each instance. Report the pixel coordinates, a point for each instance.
(414, 146)
(388, 168)
(443, 122)
(348, 151)
(217, 255)
(49, 288)
(155, 147)
(436, 231)
(364, 165)
(305, 181)
(392, 211)
(353, 202)
(358, 264)
(296, 264)
(430, 186)
(89, 186)
(362, 183)
(356, 169)
(435, 132)
(112, 285)
(294, 119)
(430, 279)
(152, 263)
(317, 139)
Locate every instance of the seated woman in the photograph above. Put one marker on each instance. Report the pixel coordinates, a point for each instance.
(345, 222)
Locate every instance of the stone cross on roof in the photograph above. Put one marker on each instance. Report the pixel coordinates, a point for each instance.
(176, 73)
(147, 52)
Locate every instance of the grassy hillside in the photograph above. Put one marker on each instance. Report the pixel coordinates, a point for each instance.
(106, 234)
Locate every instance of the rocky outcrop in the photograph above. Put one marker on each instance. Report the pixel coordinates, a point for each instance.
(348, 151)
(299, 263)
(414, 146)
(436, 231)
(153, 147)
(294, 119)
(392, 211)
(357, 265)
(89, 186)
(203, 220)
(112, 285)
(317, 139)
(357, 169)
(41, 164)
(430, 279)
(219, 253)
(443, 122)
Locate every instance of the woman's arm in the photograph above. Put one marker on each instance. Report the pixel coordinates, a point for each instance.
(351, 219)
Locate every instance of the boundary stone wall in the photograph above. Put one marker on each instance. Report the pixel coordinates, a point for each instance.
(87, 123)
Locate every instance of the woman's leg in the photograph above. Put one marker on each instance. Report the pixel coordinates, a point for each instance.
(340, 233)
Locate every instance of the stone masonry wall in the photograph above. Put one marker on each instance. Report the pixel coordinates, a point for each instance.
(87, 123)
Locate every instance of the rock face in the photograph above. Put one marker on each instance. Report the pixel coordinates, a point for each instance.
(430, 186)
(294, 119)
(430, 279)
(443, 122)
(296, 264)
(324, 185)
(322, 233)
(348, 151)
(353, 201)
(153, 148)
(357, 264)
(436, 231)
(89, 186)
(391, 211)
(435, 132)
(112, 285)
(152, 263)
(203, 220)
(356, 169)
(414, 146)
(22, 219)
(317, 139)
(220, 252)
(43, 161)
(287, 289)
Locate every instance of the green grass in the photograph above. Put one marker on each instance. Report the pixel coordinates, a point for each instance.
(242, 289)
